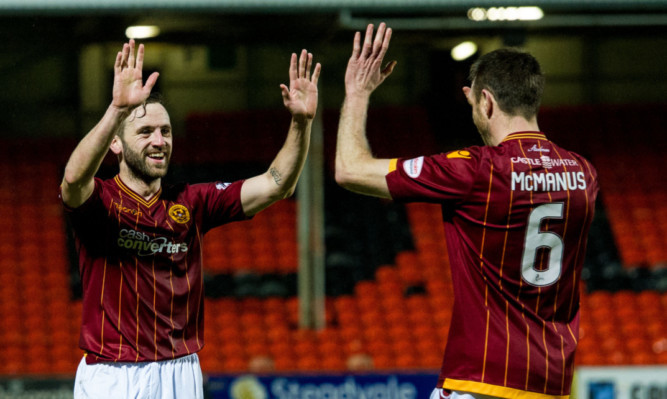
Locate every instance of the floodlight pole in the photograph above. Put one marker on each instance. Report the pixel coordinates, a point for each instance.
(310, 211)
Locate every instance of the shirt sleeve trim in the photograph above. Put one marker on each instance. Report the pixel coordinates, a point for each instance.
(393, 164)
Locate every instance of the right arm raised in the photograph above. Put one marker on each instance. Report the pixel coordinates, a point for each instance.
(356, 168)
(128, 93)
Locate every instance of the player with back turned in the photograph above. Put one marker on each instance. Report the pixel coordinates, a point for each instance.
(516, 214)
(140, 242)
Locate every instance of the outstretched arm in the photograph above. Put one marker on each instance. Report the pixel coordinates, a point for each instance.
(356, 168)
(128, 93)
(300, 99)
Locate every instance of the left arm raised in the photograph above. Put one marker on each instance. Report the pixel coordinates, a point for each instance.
(300, 99)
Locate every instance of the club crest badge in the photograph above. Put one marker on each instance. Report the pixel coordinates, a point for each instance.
(179, 213)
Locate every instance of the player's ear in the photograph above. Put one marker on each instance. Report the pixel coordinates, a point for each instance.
(116, 145)
(466, 92)
(488, 103)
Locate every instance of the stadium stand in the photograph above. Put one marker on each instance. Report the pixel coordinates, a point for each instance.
(395, 308)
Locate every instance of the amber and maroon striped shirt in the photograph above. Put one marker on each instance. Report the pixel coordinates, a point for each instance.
(141, 267)
(516, 219)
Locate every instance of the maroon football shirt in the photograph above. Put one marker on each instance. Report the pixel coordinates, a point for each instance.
(141, 267)
(516, 219)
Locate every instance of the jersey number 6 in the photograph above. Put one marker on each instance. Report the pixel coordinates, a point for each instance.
(536, 239)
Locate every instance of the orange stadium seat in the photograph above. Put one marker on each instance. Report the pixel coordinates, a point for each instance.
(235, 363)
(371, 317)
(285, 363)
(592, 358)
(308, 362)
(406, 361)
(384, 361)
(281, 349)
(656, 327)
(373, 347)
(331, 348)
(333, 362)
(387, 274)
(376, 333)
(256, 348)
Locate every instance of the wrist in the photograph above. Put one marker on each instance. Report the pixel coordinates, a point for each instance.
(301, 120)
(356, 100)
(120, 110)
(357, 96)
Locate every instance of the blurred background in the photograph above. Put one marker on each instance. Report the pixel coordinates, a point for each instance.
(373, 276)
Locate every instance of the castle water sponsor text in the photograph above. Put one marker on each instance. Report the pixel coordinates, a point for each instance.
(540, 161)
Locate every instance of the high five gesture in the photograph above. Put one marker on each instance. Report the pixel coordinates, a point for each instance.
(128, 93)
(356, 168)
(364, 69)
(128, 88)
(300, 98)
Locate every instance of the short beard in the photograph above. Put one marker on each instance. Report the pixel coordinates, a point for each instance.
(138, 167)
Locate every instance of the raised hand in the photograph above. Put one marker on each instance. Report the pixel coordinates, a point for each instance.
(300, 98)
(364, 69)
(128, 88)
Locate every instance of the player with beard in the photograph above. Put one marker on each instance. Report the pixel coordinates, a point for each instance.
(140, 243)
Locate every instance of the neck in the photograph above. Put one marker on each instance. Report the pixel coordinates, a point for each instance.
(510, 124)
(145, 188)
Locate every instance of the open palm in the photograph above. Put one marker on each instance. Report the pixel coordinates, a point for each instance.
(300, 98)
(128, 88)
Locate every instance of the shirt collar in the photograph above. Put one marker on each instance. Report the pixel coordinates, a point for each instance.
(525, 135)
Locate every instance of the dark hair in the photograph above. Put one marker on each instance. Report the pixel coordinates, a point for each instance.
(153, 98)
(513, 77)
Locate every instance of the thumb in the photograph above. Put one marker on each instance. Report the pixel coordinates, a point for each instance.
(389, 69)
(150, 82)
(285, 93)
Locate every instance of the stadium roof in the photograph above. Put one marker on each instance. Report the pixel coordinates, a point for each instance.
(69, 6)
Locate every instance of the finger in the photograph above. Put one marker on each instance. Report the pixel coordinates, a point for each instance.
(292, 68)
(356, 45)
(150, 82)
(140, 57)
(388, 69)
(130, 60)
(309, 65)
(366, 50)
(385, 43)
(117, 66)
(379, 38)
(126, 53)
(316, 73)
(284, 91)
(303, 60)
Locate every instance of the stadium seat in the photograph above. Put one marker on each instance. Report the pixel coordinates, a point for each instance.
(308, 362)
(332, 361)
(384, 361)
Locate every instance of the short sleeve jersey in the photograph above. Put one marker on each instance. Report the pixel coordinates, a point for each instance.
(516, 219)
(141, 267)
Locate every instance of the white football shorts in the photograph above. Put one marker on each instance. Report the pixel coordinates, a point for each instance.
(178, 378)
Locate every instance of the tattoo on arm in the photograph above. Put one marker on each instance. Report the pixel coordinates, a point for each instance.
(277, 177)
